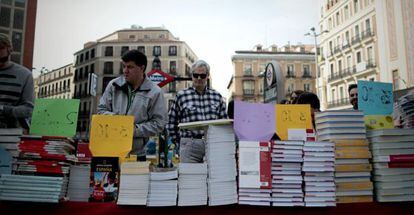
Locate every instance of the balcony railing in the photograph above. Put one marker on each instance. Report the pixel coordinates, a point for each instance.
(356, 39)
(350, 71)
(247, 92)
(290, 75)
(338, 103)
(367, 33)
(306, 75)
(337, 49)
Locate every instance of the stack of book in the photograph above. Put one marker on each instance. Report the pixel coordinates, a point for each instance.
(393, 159)
(9, 139)
(404, 110)
(78, 189)
(255, 178)
(163, 187)
(32, 188)
(340, 124)
(318, 168)
(134, 184)
(287, 158)
(221, 164)
(192, 184)
(353, 171)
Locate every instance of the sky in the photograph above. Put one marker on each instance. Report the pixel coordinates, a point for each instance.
(214, 29)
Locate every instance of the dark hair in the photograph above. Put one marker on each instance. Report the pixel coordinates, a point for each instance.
(284, 101)
(309, 98)
(137, 57)
(298, 93)
(352, 86)
(230, 110)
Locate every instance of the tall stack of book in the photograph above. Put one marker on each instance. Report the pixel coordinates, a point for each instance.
(404, 110)
(78, 189)
(287, 158)
(163, 187)
(393, 159)
(346, 128)
(9, 139)
(134, 184)
(221, 164)
(192, 184)
(318, 168)
(32, 188)
(255, 178)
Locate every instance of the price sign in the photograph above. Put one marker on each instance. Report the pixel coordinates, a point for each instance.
(292, 117)
(375, 98)
(111, 135)
(55, 117)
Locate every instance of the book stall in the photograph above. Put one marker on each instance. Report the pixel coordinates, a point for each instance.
(270, 159)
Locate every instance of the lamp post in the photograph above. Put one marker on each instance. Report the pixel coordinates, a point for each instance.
(313, 34)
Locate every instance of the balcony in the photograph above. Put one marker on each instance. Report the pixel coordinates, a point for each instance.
(248, 73)
(337, 49)
(290, 75)
(342, 74)
(306, 75)
(356, 39)
(367, 34)
(338, 103)
(248, 92)
(371, 64)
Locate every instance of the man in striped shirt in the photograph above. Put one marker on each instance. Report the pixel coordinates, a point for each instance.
(16, 89)
(196, 103)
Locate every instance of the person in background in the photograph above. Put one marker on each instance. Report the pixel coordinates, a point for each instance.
(295, 95)
(284, 101)
(196, 103)
(16, 89)
(134, 94)
(230, 109)
(313, 100)
(353, 95)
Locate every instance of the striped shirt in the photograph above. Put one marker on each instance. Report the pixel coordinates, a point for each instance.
(16, 95)
(190, 106)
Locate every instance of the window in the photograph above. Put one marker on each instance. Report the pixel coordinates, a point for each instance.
(124, 49)
(20, 3)
(306, 87)
(173, 67)
(17, 41)
(172, 87)
(141, 49)
(105, 82)
(368, 25)
(156, 51)
(346, 11)
(338, 18)
(92, 68)
(121, 68)
(5, 14)
(92, 53)
(18, 19)
(347, 37)
(8, 2)
(349, 61)
(87, 55)
(358, 56)
(290, 70)
(332, 69)
(370, 55)
(372, 79)
(341, 92)
(395, 80)
(356, 30)
(248, 69)
(262, 67)
(81, 58)
(109, 51)
(172, 51)
(333, 95)
(248, 87)
(306, 71)
(339, 66)
(80, 75)
(356, 6)
(108, 68)
(330, 23)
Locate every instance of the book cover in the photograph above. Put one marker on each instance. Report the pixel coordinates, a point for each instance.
(104, 179)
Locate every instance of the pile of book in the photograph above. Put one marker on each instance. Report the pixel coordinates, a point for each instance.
(393, 160)
(318, 168)
(192, 184)
(163, 187)
(346, 128)
(134, 183)
(32, 188)
(78, 188)
(9, 139)
(221, 164)
(404, 110)
(255, 178)
(287, 158)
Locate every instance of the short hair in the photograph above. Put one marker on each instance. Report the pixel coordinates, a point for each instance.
(5, 40)
(309, 98)
(137, 57)
(352, 86)
(298, 93)
(201, 63)
(284, 101)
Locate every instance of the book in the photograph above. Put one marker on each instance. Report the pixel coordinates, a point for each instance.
(104, 179)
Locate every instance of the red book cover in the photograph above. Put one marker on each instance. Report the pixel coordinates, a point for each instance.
(402, 158)
(265, 166)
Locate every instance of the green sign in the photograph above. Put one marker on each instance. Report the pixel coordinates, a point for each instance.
(55, 117)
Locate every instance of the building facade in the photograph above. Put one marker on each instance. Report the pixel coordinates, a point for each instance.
(18, 20)
(366, 40)
(103, 58)
(296, 62)
(56, 84)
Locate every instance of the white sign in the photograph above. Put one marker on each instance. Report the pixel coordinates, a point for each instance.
(93, 83)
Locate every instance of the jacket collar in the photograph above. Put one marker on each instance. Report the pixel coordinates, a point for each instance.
(121, 83)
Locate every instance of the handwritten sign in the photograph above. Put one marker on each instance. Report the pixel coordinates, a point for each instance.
(292, 117)
(55, 117)
(111, 135)
(375, 98)
(373, 122)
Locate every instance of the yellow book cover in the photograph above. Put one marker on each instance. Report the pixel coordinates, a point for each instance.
(353, 167)
(345, 143)
(351, 186)
(353, 199)
(352, 152)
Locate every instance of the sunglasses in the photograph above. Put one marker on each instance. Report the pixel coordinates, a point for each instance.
(202, 76)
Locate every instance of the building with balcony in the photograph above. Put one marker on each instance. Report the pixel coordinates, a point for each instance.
(55, 84)
(357, 47)
(297, 63)
(103, 58)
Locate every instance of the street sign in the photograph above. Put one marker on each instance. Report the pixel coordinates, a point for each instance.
(93, 83)
(159, 77)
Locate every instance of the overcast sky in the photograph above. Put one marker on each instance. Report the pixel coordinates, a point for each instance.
(214, 29)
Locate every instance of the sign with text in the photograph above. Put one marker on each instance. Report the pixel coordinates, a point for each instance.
(373, 122)
(159, 77)
(55, 117)
(375, 98)
(111, 135)
(292, 117)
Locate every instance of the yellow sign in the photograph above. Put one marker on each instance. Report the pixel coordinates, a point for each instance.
(373, 122)
(292, 116)
(111, 135)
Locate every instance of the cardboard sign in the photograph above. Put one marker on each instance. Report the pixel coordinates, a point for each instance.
(375, 98)
(55, 117)
(111, 135)
(373, 122)
(292, 117)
